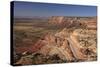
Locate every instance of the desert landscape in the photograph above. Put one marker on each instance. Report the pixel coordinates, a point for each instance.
(51, 33)
(54, 39)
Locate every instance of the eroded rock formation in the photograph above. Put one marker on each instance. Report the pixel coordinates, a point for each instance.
(69, 44)
(64, 44)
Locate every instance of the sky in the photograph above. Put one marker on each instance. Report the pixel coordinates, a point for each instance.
(31, 9)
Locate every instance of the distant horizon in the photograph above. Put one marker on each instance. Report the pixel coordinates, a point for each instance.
(34, 9)
(49, 16)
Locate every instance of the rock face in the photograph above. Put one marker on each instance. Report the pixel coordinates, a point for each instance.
(65, 21)
(65, 45)
(62, 20)
(57, 44)
(56, 20)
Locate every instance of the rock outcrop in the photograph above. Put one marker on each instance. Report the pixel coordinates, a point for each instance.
(66, 21)
(64, 44)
